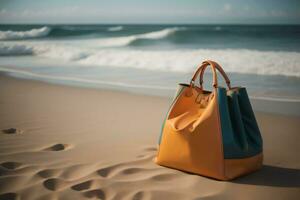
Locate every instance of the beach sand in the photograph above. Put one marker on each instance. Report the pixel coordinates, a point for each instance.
(60, 142)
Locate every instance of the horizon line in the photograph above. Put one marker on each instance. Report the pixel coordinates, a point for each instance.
(71, 23)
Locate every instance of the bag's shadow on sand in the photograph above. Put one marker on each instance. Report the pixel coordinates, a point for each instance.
(272, 176)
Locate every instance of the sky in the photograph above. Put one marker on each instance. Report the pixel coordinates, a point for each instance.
(150, 11)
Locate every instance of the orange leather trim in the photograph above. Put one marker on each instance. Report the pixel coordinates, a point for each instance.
(197, 149)
(239, 167)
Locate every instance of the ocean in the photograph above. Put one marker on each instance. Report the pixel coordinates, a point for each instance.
(153, 59)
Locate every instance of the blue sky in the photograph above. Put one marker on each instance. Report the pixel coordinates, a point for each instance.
(151, 11)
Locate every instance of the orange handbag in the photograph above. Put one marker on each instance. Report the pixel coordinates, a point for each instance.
(211, 133)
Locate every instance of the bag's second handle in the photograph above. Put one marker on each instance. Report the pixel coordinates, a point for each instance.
(214, 66)
(200, 68)
(219, 68)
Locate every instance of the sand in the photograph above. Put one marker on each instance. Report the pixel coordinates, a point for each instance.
(60, 142)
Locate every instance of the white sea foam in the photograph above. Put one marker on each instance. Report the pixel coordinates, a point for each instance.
(239, 61)
(63, 52)
(126, 40)
(15, 50)
(33, 33)
(235, 60)
(115, 28)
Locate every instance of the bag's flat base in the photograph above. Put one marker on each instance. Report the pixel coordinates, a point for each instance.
(239, 167)
(233, 168)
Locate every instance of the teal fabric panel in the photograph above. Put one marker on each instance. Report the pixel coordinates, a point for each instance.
(240, 132)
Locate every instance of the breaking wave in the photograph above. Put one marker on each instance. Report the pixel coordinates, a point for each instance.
(184, 60)
(18, 35)
(127, 40)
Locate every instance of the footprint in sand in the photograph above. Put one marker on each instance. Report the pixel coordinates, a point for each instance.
(57, 147)
(12, 131)
(11, 165)
(9, 196)
(55, 184)
(97, 193)
(105, 172)
(112, 170)
(132, 170)
(48, 173)
(140, 195)
(83, 186)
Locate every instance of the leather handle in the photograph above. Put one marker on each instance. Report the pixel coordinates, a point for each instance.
(214, 64)
(200, 70)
